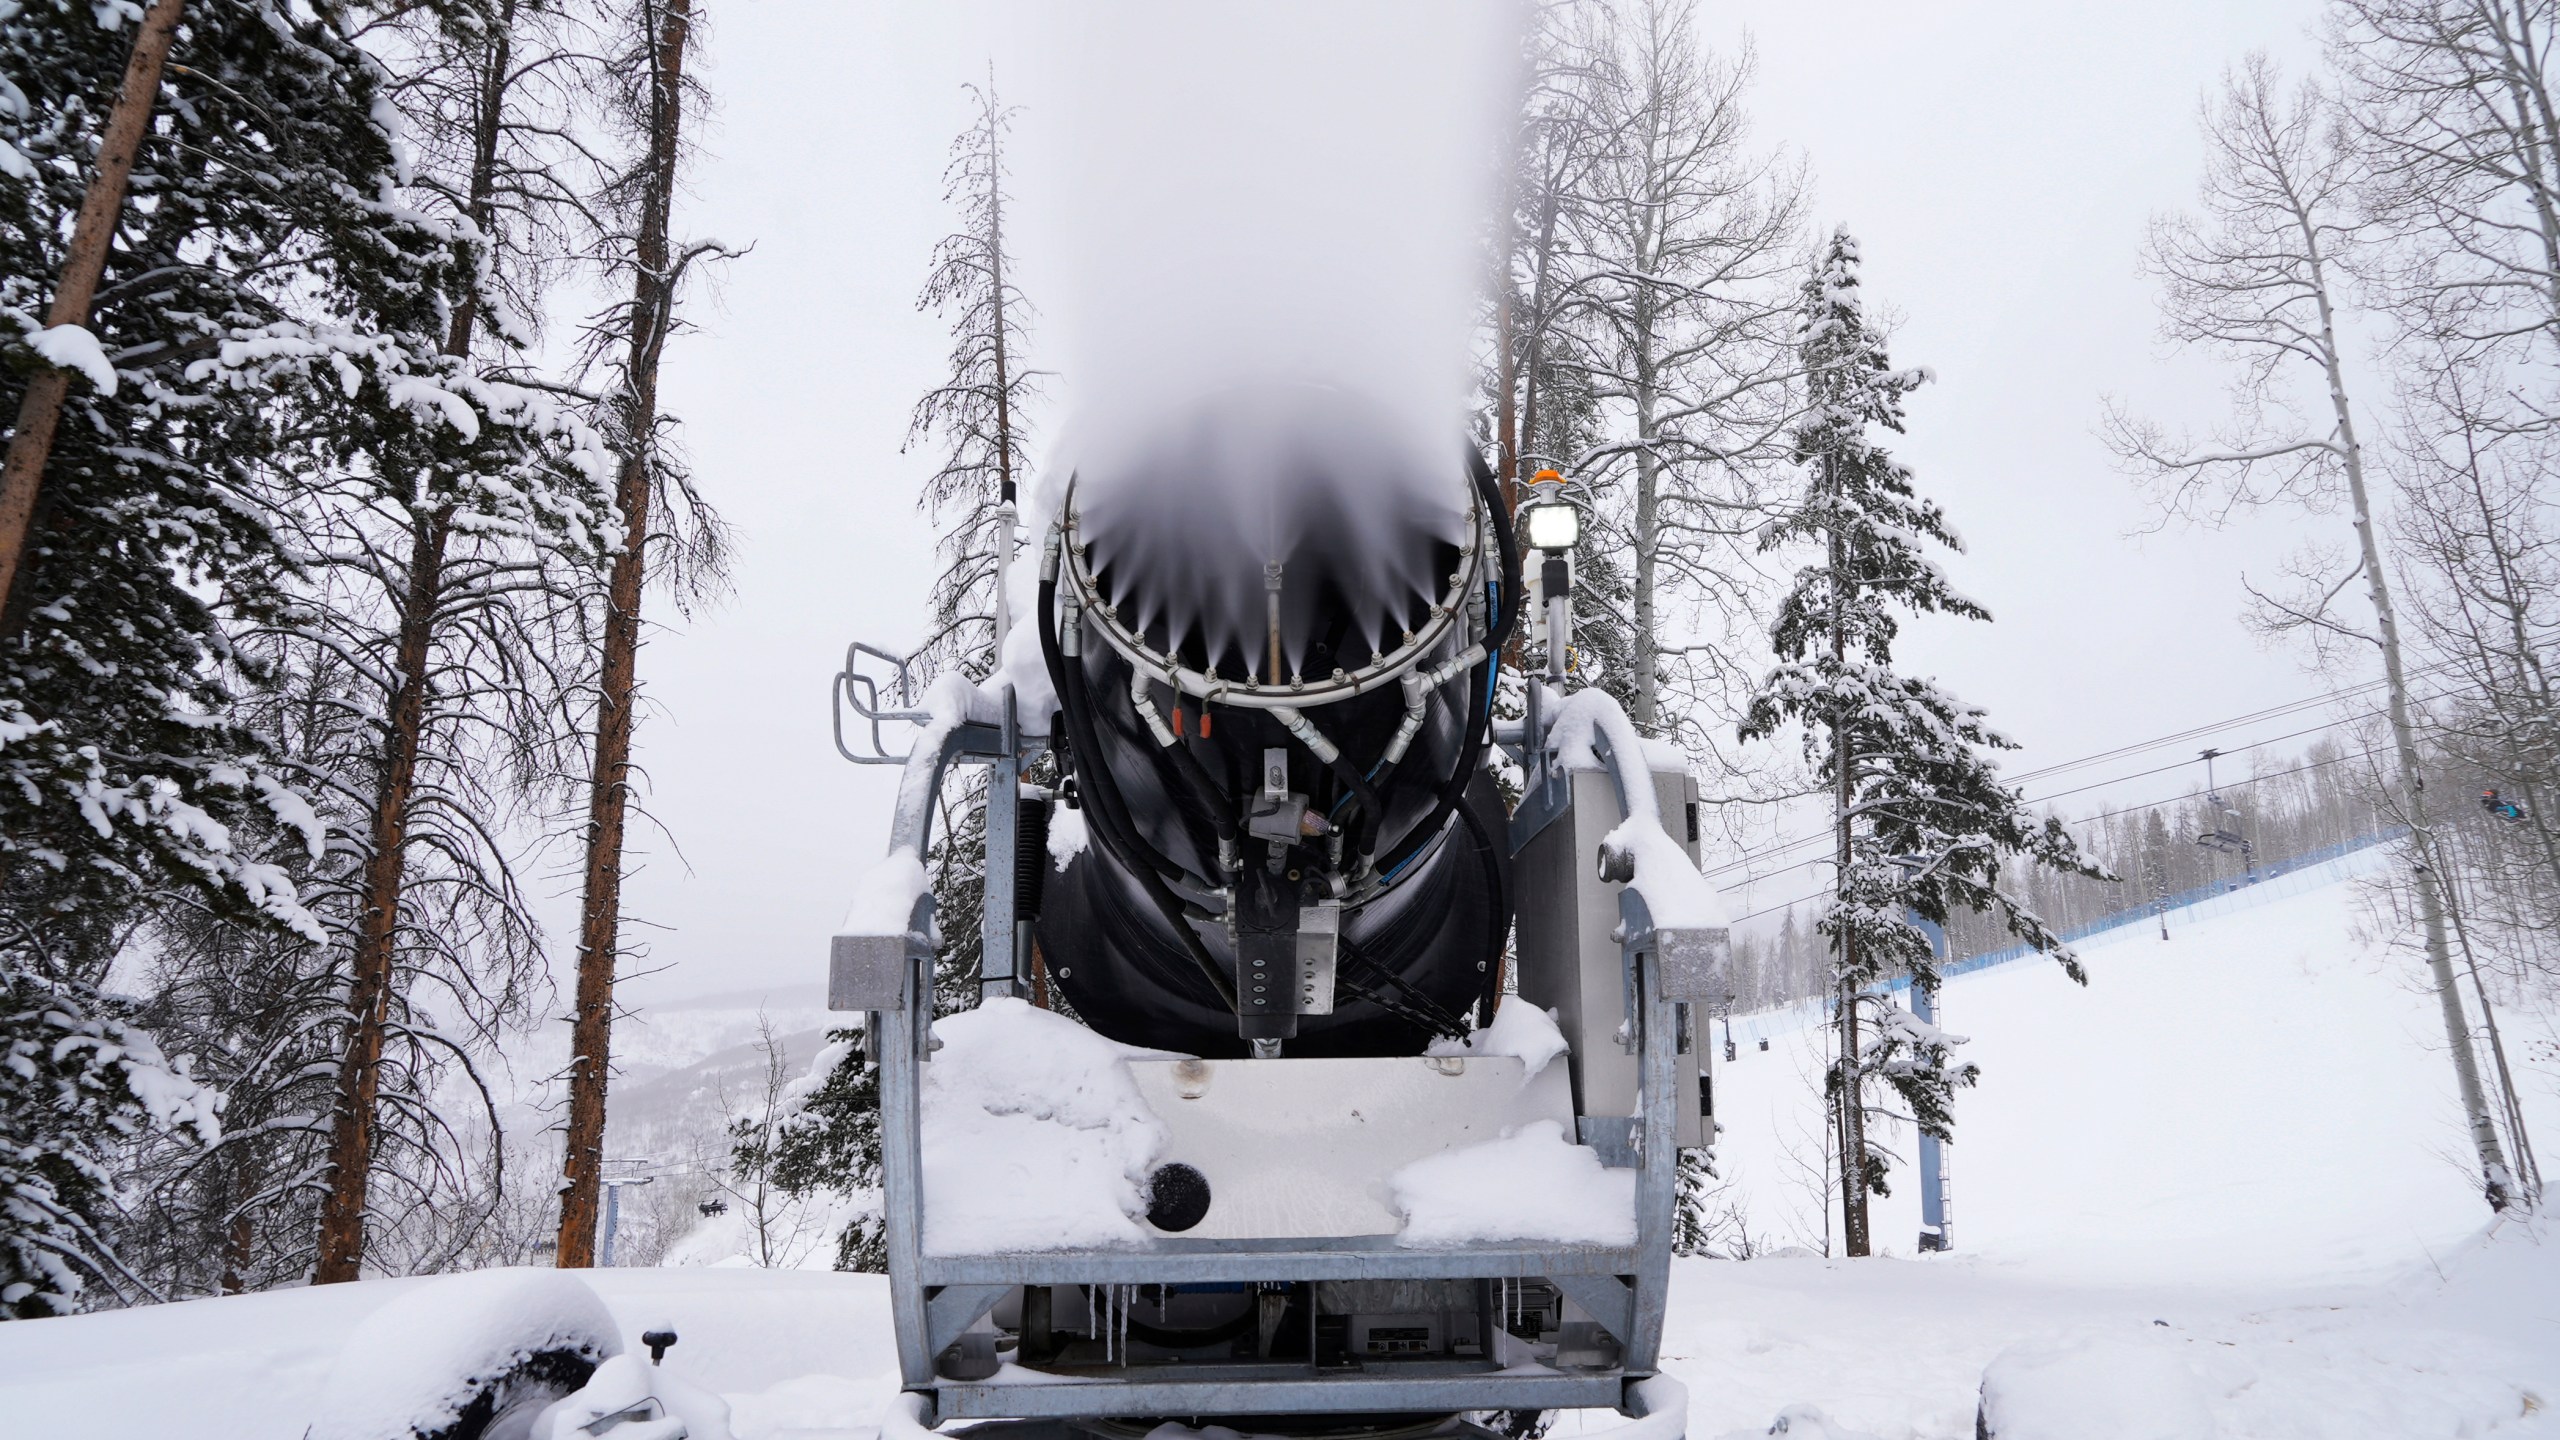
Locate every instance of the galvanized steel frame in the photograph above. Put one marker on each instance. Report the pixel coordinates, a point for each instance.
(935, 1298)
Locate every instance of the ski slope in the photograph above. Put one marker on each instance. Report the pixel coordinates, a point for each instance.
(2235, 1159)
(2263, 1096)
(2216, 1194)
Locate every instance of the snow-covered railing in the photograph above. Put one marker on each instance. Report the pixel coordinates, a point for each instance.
(1667, 902)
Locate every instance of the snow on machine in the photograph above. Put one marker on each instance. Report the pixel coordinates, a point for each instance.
(1276, 1151)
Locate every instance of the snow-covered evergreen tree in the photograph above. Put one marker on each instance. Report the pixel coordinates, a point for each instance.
(827, 1138)
(268, 319)
(1922, 823)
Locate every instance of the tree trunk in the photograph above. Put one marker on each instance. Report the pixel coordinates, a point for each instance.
(600, 913)
(342, 1211)
(995, 296)
(351, 1137)
(1006, 516)
(92, 235)
(2497, 1182)
(1852, 1081)
(1645, 644)
(2532, 134)
(239, 1238)
(1525, 433)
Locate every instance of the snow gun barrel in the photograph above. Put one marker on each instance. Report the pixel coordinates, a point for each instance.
(1273, 635)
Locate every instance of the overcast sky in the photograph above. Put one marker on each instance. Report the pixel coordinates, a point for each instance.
(1998, 160)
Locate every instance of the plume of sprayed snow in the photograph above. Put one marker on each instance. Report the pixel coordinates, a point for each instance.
(1183, 516)
(1277, 202)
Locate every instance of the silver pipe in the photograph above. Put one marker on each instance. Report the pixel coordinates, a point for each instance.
(1417, 696)
(1271, 587)
(1145, 704)
(1273, 693)
(1308, 735)
(1006, 520)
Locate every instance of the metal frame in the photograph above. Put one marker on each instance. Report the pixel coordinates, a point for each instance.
(1272, 694)
(934, 1298)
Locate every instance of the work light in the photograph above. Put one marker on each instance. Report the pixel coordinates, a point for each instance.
(1554, 525)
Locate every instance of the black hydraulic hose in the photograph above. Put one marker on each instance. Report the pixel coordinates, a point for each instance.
(1371, 815)
(1114, 827)
(1132, 839)
(1105, 801)
(1491, 859)
(1508, 546)
(1479, 680)
(1205, 791)
(1423, 1011)
(1075, 707)
(1205, 833)
(1115, 831)
(1454, 789)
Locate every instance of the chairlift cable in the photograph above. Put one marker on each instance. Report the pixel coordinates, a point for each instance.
(1781, 847)
(2109, 815)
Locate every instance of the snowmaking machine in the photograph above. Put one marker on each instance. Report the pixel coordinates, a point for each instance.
(1241, 822)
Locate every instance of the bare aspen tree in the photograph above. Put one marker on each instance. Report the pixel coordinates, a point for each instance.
(648, 487)
(2451, 107)
(782, 1224)
(1685, 256)
(2259, 278)
(1548, 153)
(2481, 572)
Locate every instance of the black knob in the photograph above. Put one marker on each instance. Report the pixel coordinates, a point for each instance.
(658, 1342)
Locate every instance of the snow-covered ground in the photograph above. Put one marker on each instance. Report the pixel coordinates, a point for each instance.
(2265, 1096)
(2218, 1193)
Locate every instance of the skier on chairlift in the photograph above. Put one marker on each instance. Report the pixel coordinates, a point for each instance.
(2506, 810)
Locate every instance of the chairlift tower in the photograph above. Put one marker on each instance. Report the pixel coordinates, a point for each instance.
(1937, 1230)
(636, 1171)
